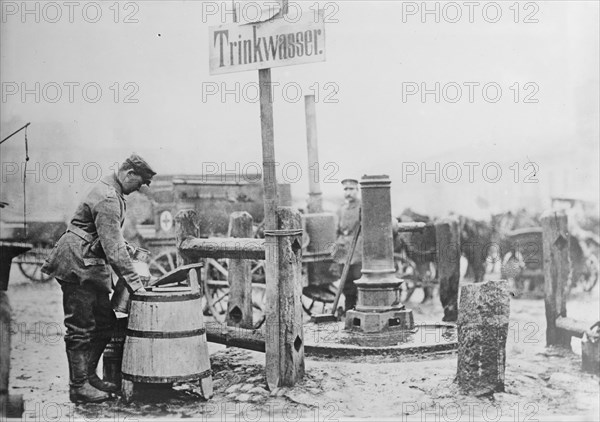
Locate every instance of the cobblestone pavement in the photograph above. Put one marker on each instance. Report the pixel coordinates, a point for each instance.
(541, 383)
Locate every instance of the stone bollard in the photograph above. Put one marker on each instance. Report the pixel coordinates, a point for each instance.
(482, 331)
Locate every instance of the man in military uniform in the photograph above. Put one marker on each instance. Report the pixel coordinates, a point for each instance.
(348, 224)
(81, 262)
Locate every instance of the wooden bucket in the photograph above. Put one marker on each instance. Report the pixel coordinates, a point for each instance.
(113, 354)
(166, 337)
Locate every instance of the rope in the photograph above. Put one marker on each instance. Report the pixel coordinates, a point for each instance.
(14, 133)
(290, 232)
(24, 184)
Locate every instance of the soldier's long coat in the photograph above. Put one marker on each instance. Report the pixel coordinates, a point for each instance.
(93, 242)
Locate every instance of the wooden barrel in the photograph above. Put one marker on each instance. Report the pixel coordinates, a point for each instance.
(166, 338)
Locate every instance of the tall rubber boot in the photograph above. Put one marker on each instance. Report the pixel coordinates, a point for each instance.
(96, 349)
(80, 390)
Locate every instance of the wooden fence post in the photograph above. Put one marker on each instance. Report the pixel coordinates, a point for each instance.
(186, 225)
(482, 331)
(555, 247)
(284, 346)
(239, 305)
(447, 242)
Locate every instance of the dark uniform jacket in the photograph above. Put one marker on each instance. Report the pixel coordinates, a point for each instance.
(348, 217)
(94, 241)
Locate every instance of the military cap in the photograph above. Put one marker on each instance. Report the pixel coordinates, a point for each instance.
(141, 167)
(350, 182)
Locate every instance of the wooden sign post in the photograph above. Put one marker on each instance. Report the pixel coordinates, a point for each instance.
(261, 46)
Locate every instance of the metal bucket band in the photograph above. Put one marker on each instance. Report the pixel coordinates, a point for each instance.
(166, 297)
(151, 379)
(289, 232)
(165, 334)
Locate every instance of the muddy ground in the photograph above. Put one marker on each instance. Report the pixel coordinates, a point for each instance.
(541, 383)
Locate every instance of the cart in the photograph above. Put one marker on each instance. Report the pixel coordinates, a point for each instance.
(585, 263)
(42, 235)
(415, 259)
(584, 227)
(523, 263)
(214, 197)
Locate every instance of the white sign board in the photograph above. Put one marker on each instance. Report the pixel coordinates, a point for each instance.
(237, 48)
(166, 221)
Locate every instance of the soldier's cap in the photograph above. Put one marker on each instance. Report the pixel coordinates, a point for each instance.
(141, 167)
(350, 182)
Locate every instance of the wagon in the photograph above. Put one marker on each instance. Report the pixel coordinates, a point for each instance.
(582, 211)
(415, 258)
(214, 197)
(41, 235)
(523, 263)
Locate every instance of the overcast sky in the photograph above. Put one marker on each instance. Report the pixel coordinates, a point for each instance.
(367, 122)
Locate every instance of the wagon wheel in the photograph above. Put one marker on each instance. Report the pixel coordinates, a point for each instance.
(219, 270)
(407, 271)
(317, 298)
(259, 303)
(217, 300)
(257, 270)
(30, 263)
(217, 288)
(213, 270)
(427, 273)
(313, 295)
(163, 263)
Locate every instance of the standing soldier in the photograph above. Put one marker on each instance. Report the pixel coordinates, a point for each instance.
(348, 224)
(81, 262)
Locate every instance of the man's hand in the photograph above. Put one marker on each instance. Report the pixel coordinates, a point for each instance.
(130, 249)
(141, 290)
